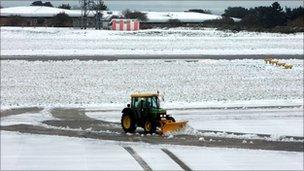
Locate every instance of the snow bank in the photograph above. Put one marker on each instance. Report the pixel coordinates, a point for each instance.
(188, 130)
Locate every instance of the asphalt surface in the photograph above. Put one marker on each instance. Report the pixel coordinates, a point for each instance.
(77, 124)
(191, 57)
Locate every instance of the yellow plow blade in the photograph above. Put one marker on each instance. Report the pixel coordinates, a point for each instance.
(170, 126)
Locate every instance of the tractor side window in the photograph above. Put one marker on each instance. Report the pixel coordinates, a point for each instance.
(136, 103)
(143, 103)
(155, 102)
(148, 102)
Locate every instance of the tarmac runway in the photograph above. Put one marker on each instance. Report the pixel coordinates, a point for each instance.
(73, 122)
(190, 57)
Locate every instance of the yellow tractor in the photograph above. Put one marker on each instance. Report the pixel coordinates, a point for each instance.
(144, 111)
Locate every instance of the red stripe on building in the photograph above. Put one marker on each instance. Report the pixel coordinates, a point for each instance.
(113, 24)
(129, 25)
(136, 25)
(121, 25)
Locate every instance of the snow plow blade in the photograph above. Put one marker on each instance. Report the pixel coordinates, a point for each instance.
(171, 126)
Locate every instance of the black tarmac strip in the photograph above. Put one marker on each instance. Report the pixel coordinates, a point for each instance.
(189, 58)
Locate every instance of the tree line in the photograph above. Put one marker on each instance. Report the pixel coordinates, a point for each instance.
(267, 16)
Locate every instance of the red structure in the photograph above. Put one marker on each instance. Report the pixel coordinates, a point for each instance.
(125, 24)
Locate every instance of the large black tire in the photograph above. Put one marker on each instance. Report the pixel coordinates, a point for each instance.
(150, 127)
(128, 122)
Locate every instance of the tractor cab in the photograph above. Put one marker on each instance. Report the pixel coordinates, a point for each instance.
(146, 101)
(145, 111)
(140, 101)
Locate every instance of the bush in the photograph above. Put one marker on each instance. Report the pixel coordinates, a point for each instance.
(100, 6)
(40, 3)
(236, 12)
(264, 16)
(295, 13)
(298, 22)
(48, 4)
(223, 22)
(203, 11)
(135, 15)
(174, 23)
(16, 20)
(37, 3)
(62, 20)
(65, 6)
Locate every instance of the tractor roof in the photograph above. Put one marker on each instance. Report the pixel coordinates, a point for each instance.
(144, 94)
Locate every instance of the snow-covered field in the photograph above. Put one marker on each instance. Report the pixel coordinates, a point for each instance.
(39, 152)
(89, 83)
(68, 42)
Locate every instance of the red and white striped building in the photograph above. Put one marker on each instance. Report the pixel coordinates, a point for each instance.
(125, 24)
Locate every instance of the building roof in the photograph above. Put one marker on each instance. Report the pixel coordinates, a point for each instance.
(37, 11)
(143, 94)
(159, 17)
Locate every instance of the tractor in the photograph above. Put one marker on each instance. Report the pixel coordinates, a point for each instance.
(144, 111)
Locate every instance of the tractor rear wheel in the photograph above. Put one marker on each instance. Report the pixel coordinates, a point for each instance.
(150, 127)
(128, 122)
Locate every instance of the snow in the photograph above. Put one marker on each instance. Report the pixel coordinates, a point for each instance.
(193, 90)
(182, 16)
(155, 158)
(27, 118)
(204, 83)
(68, 42)
(39, 152)
(239, 159)
(276, 122)
(42, 11)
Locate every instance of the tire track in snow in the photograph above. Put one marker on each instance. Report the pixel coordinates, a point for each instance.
(140, 160)
(176, 159)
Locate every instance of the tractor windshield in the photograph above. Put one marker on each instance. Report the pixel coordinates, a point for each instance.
(155, 103)
(150, 102)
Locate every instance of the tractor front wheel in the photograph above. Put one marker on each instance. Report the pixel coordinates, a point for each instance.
(170, 118)
(128, 122)
(150, 127)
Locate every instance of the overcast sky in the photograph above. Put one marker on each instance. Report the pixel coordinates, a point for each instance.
(216, 7)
